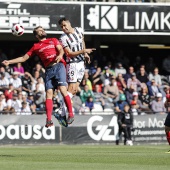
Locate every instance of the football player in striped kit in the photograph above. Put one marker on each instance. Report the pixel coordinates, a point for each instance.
(76, 54)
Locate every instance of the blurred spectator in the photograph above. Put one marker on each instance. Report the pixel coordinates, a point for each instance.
(31, 102)
(38, 67)
(93, 68)
(2, 70)
(157, 105)
(3, 105)
(9, 71)
(86, 93)
(82, 84)
(27, 81)
(107, 74)
(98, 77)
(145, 100)
(142, 76)
(120, 69)
(16, 81)
(134, 81)
(129, 73)
(119, 107)
(129, 94)
(98, 96)
(77, 104)
(155, 75)
(88, 82)
(25, 109)
(36, 75)
(4, 82)
(40, 87)
(39, 101)
(14, 105)
(154, 88)
(111, 91)
(134, 108)
(121, 83)
(19, 69)
(135, 99)
(90, 103)
(9, 92)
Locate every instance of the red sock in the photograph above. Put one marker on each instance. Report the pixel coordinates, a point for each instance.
(68, 105)
(49, 108)
(168, 137)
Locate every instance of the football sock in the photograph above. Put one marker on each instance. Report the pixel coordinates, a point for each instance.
(168, 137)
(68, 105)
(70, 94)
(49, 108)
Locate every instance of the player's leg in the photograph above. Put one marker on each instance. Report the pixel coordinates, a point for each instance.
(60, 80)
(167, 127)
(167, 131)
(49, 95)
(68, 104)
(49, 107)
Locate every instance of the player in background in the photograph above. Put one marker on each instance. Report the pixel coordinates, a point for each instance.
(167, 120)
(76, 54)
(51, 53)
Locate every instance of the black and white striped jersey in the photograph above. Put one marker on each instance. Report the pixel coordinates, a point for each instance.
(74, 42)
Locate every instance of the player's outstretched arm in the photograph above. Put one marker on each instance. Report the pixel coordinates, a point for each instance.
(71, 54)
(16, 60)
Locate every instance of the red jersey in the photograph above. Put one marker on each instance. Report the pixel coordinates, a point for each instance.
(46, 50)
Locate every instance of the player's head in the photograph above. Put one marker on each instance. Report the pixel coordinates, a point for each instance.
(65, 25)
(39, 33)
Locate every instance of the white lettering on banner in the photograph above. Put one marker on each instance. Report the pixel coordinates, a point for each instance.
(149, 132)
(23, 17)
(2, 132)
(20, 132)
(14, 128)
(106, 17)
(155, 123)
(104, 131)
(139, 124)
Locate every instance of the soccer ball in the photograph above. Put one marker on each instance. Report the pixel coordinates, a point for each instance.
(17, 30)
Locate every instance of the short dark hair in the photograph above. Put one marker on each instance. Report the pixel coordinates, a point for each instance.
(61, 20)
(35, 30)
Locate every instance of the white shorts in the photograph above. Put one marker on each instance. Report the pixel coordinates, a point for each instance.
(75, 72)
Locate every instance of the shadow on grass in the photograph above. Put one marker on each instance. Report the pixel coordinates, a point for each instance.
(7, 156)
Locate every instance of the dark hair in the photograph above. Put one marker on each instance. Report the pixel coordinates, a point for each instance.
(61, 20)
(35, 30)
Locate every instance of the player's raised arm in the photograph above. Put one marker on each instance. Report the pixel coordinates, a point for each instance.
(16, 60)
(61, 53)
(70, 53)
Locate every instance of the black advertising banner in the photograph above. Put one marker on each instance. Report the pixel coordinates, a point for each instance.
(27, 130)
(30, 15)
(85, 129)
(114, 18)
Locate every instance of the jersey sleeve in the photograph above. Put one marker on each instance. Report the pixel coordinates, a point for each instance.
(63, 41)
(80, 30)
(31, 52)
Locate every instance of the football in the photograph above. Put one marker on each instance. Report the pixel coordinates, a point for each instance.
(17, 30)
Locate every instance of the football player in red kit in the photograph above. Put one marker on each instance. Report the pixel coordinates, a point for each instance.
(167, 120)
(51, 53)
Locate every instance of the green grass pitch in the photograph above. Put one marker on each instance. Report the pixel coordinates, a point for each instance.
(84, 157)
